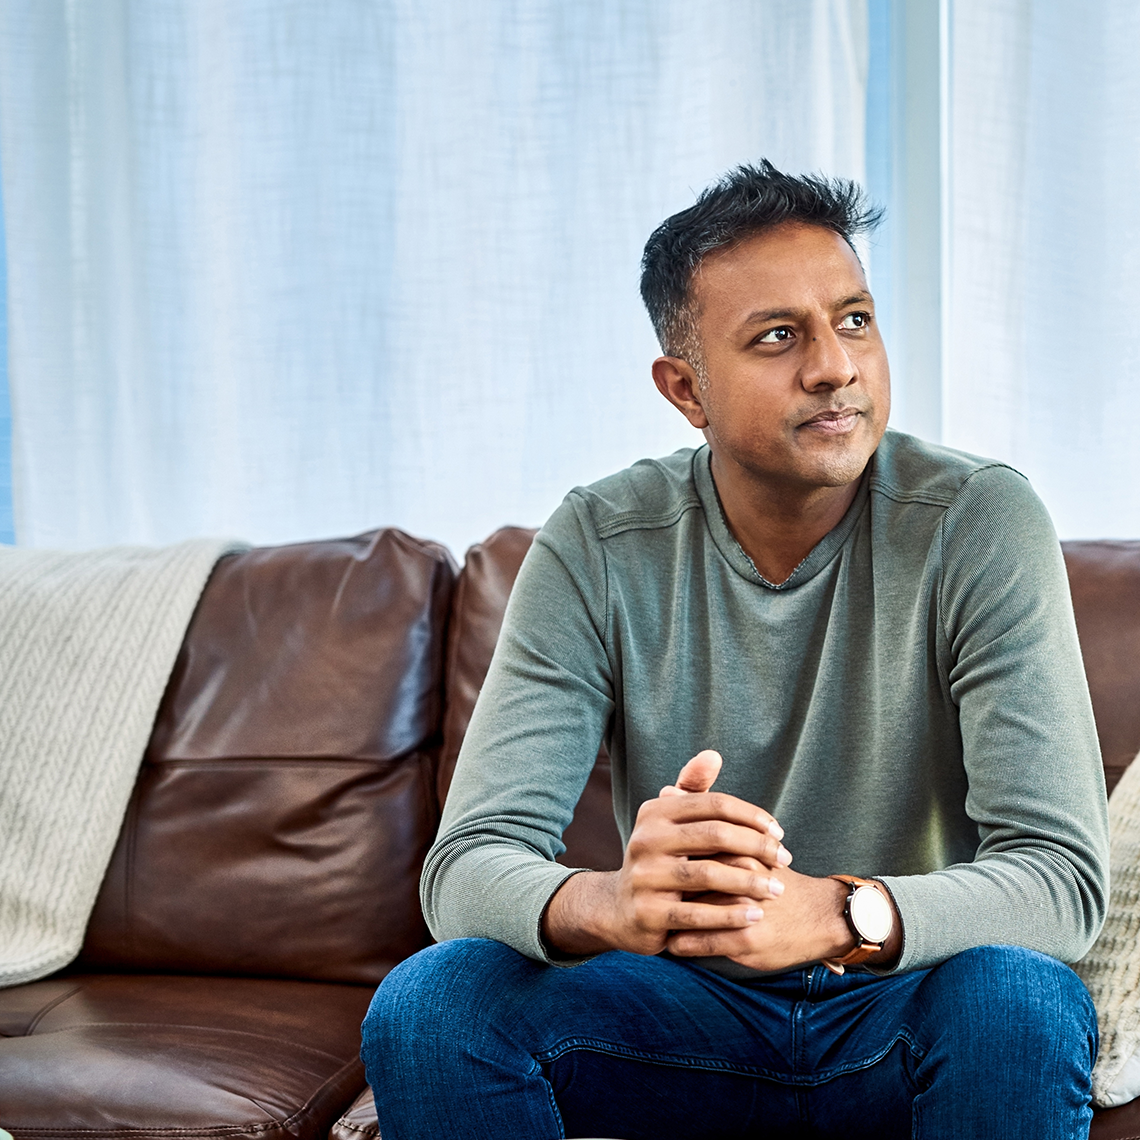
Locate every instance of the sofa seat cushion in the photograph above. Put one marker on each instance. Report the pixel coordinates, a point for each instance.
(1121, 1123)
(158, 1055)
(359, 1119)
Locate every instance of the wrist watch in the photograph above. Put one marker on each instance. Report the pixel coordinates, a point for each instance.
(870, 918)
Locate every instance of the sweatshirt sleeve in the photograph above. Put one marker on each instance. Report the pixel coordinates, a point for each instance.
(1029, 743)
(529, 749)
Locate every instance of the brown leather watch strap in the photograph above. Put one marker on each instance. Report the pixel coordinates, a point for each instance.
(863, 949)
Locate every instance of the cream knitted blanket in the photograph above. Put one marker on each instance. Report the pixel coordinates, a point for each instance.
(1111, 969)
(87, 642)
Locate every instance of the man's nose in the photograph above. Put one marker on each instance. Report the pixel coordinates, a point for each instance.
(826, 363)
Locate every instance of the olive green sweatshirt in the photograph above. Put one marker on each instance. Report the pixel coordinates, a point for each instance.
(910, 703)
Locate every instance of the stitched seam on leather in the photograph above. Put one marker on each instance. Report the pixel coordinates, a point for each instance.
(48, 1008)
(438, 615)
(232, 763)
(129, 874)
(215, 1130)
(459, 615)
(293, 1046)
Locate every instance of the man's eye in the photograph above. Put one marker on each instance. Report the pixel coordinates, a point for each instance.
(776, 336)
(855, 321)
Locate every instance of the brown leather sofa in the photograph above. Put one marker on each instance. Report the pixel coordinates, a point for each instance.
(265, 878)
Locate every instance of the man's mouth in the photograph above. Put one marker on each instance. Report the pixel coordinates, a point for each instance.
(837, 421)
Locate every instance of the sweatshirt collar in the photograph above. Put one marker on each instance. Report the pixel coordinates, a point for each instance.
(818, 557)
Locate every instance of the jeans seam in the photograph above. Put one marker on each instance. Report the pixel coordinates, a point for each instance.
(919, 1055)
(550, 1094)
(713, 1064)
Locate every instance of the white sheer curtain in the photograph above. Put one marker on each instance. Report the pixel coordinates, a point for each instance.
(291, 268)
(1043, 361)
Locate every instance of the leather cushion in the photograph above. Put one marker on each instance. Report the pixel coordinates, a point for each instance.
(358, 1121)
(1105, 581)
(287, 797)
(477, 609)
(1121, 1123)
(152, 1055)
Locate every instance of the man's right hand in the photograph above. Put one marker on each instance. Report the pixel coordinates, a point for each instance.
(666, 862)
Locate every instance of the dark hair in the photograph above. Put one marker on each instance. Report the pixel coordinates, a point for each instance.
(744, 202)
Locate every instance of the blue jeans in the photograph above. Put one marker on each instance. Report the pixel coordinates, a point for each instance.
(470, 1039)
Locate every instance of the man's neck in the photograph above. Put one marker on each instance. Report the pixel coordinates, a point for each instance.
(778, 525)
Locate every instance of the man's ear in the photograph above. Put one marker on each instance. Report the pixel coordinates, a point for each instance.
(677, 382)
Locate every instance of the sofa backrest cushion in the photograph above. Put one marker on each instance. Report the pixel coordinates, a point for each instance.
(287, 796)
(1105, 581)
(478, 605)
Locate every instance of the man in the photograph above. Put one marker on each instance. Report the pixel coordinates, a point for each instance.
(875, 635)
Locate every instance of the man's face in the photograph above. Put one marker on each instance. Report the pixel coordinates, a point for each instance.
(796, 389)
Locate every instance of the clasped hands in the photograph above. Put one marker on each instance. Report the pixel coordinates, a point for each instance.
(705, 874)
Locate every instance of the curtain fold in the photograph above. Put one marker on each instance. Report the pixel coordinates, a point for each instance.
(282, 268)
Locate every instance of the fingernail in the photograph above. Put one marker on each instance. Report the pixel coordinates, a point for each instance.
(783, 855)
(775, 886)
(775, 830)
(754, 914)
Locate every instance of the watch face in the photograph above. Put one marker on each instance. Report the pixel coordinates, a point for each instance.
(871, 914)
